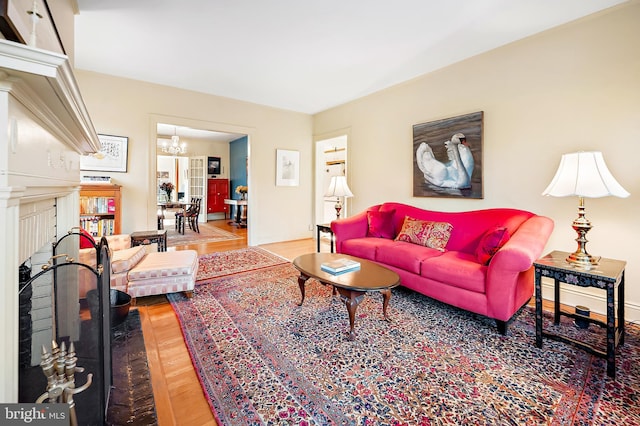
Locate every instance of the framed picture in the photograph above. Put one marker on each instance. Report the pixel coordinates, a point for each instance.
(213, 165)
(447, 157)
(15, 24)
(287, 168)
(111, 158)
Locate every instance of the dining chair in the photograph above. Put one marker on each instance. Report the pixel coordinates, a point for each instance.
(192, 216)
(182, 214)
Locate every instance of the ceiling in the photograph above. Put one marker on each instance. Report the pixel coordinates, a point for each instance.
(304, 56)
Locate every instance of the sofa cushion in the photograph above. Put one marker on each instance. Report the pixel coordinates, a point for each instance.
(457, 269)
(119, 241)
(165, 265)
(364, 248)
(403, 255)
(381, 224)
(425, 233)
(125, 260)
(490, 243)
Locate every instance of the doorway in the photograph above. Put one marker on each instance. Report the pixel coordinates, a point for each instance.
(196, 146)
(331, 160)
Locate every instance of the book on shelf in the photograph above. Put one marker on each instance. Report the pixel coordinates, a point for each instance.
(97, 205)
(95, 179)
(339, 266)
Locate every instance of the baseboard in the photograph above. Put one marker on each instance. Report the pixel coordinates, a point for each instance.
(592, 298)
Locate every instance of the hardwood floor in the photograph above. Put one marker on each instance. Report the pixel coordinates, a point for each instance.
(178, 395)
(177, 391)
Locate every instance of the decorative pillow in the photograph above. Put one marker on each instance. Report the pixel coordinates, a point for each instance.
(490, 243)
(88, 242)
(381, 224)
(434, 235)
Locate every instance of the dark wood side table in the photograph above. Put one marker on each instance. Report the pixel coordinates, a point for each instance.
(324, 228)
(607, 275)
(148, 237)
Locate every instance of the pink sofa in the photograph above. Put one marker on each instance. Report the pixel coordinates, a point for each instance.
(475, 271)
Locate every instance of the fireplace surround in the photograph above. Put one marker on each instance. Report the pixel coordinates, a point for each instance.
(48, 128)
(80, 326)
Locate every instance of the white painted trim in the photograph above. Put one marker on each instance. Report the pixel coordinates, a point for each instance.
(39, 91)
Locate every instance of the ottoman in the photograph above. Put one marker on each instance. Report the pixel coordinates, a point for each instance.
(164, 272)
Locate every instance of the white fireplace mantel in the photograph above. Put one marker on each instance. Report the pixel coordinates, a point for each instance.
(47, 129)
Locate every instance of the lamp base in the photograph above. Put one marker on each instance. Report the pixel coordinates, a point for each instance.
(583, 260)
(338, 207)
(580, 258)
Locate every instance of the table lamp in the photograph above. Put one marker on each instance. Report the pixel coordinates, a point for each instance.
(338, 188)
(583, 174)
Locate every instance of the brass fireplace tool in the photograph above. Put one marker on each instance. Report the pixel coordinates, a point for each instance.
(60, 367)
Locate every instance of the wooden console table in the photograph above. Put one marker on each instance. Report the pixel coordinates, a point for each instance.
(607, 275)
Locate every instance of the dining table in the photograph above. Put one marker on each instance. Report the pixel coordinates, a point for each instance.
(177, 206)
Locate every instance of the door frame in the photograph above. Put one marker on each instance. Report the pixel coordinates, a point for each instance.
(154, 120)
(322, 142)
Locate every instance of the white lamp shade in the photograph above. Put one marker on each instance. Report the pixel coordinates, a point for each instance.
(584, 174)
(338, 187)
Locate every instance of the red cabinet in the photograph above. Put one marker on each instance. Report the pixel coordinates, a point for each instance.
(217, 192)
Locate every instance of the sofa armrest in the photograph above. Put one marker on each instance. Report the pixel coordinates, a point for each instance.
(87, 256)
(119, 241)
(355, 226)
(509, 277)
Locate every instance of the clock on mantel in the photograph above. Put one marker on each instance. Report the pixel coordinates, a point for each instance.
(17, 24)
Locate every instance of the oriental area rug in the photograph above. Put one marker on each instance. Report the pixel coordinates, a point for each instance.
(208, 234)
(233, 261)
(262, 360)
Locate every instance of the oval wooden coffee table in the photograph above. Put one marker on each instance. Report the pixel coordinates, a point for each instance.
(351, 285)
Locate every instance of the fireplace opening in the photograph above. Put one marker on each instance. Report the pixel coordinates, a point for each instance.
(67, 303)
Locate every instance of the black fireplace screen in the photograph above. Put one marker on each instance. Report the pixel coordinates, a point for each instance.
(80, 321)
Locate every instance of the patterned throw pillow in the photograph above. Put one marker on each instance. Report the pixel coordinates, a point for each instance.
(381, 224)
(490, 243)
(434, 235)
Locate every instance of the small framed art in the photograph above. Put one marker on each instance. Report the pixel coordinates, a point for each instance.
(111, 158)
(287, 167)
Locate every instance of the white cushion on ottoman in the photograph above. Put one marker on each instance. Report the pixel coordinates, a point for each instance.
(163, 272)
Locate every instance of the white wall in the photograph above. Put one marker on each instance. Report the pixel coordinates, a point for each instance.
(132, 108)
(573, 88)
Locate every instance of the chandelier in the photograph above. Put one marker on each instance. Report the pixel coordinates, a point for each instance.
(175, 147)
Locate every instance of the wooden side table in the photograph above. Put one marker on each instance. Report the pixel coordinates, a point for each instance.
(148, 237)
(607, 275)
(324, 228)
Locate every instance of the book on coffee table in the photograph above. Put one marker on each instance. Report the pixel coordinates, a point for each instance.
(340, 266)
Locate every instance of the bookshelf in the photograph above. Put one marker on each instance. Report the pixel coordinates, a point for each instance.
(100, 209)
